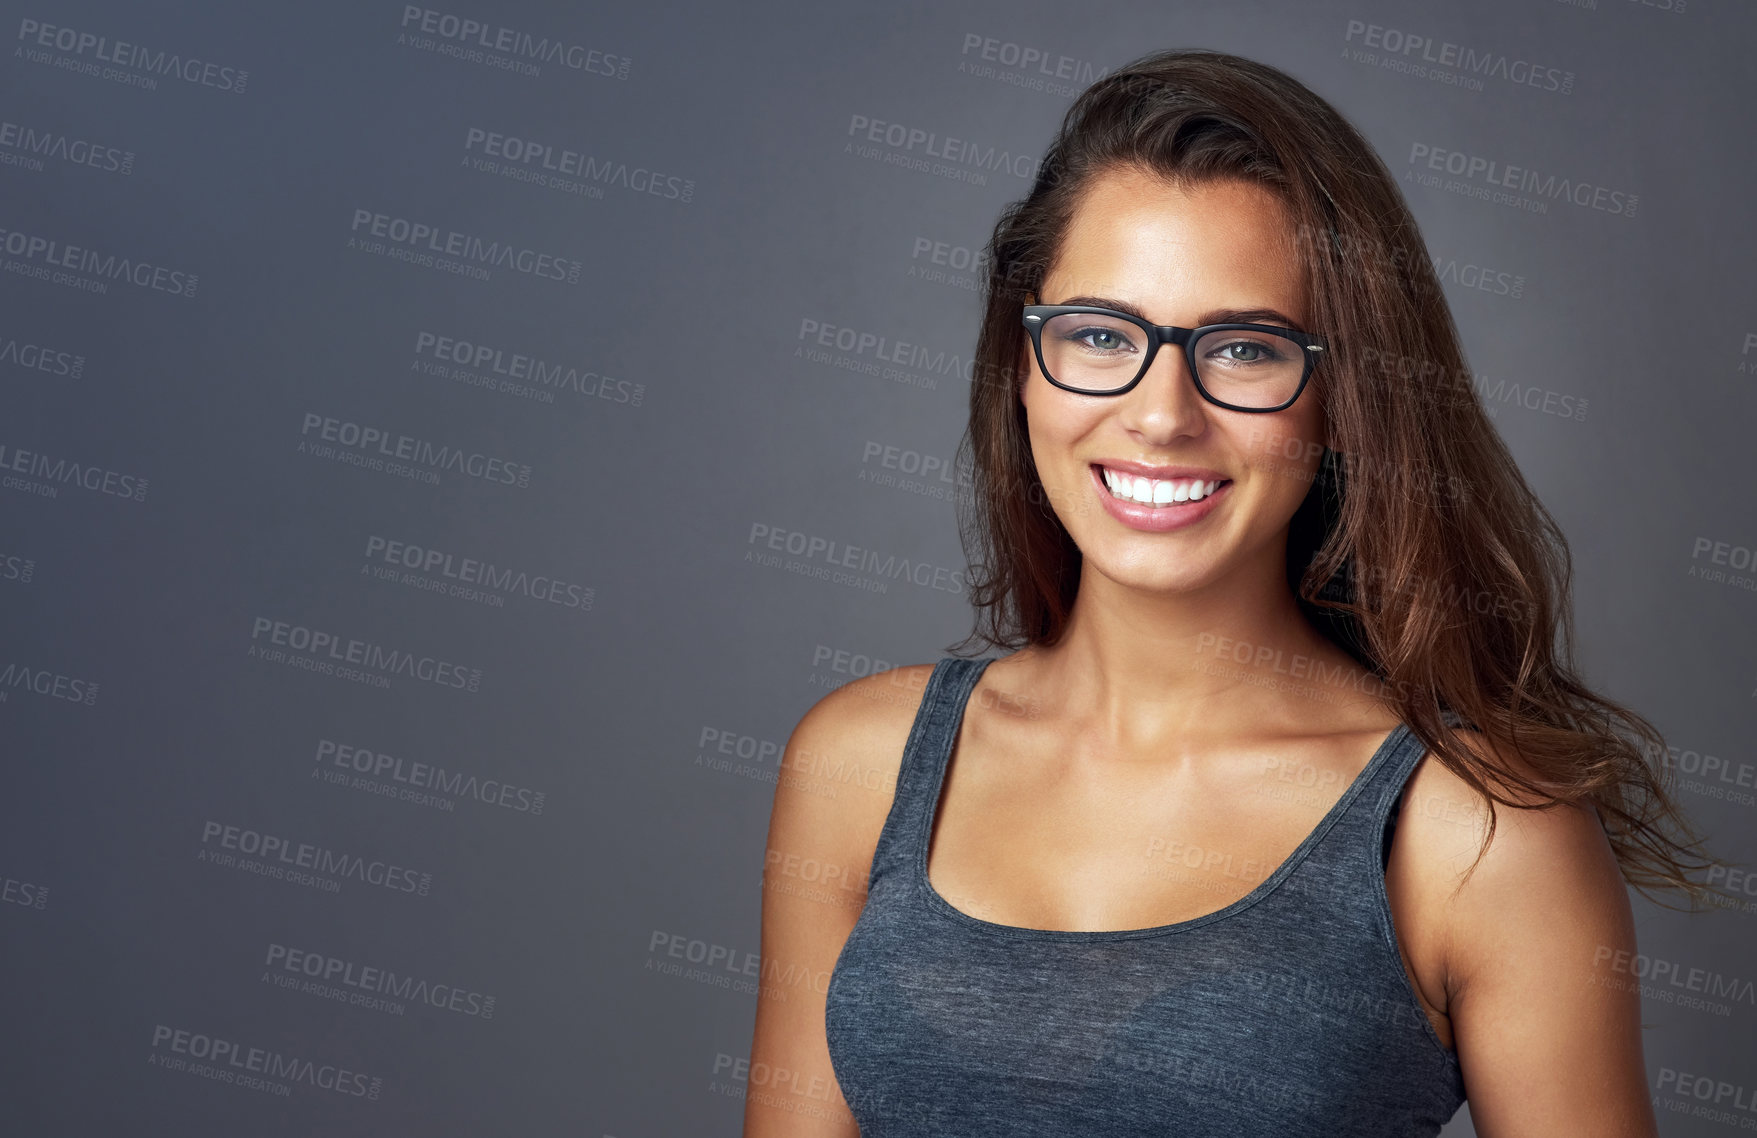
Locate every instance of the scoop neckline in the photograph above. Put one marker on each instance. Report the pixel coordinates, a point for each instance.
(925, 886)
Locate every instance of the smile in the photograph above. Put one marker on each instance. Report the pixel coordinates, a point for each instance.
(1156, 492)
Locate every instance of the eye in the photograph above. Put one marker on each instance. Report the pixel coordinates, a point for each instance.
(1100, 338)
(1246, 350)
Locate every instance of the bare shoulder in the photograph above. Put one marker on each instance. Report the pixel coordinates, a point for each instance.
(1533, 950)
(839, 772)
(1547, 878)
(1454, 816)
(837, 780)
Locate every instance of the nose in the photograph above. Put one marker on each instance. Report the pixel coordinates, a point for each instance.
(1165, 405)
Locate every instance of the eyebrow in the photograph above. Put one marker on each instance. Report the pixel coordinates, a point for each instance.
(1212, 316)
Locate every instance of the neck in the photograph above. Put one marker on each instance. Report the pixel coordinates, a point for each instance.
(1142, 667)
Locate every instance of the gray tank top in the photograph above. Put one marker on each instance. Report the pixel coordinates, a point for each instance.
(1288, 1012)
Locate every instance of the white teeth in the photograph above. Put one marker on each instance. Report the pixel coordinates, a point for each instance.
(1151, 493)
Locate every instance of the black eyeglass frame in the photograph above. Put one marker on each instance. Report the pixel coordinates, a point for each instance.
(1035, 316)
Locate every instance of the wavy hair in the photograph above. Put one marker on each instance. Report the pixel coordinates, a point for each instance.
(1419, 549)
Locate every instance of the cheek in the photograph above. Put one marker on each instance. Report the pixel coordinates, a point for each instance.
(1057, 425)
(1284, 452)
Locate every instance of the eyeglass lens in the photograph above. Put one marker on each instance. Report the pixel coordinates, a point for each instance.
(1094, 352)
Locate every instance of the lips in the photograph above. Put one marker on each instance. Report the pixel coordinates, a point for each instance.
(1158, 486)
(1152, 518)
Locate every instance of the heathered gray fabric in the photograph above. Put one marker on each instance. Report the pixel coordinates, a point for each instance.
(1285, 1013)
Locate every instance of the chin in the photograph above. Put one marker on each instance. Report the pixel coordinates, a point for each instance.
(1150, 570)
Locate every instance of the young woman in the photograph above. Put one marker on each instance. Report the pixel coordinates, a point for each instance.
(1285, 815)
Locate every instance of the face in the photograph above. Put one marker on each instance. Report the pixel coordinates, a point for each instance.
(1179, 256)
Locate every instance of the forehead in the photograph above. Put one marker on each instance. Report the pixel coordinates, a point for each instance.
(1169, 248)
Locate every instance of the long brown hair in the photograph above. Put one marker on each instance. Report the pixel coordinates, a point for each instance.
(1420, 548)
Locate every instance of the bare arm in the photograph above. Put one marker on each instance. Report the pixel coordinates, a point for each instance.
(1547, 1029)
(829, 820)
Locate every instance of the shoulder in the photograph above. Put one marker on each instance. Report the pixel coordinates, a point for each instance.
(839, 771)
(1546, 886)
(1544, 1011)
(1523, 829)
(867, 715)
(832, 794)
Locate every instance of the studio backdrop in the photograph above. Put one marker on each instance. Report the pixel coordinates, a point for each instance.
(445, 449)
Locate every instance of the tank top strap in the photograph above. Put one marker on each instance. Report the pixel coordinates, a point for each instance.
(925, 755)
(1407, 750)
(1370, 818)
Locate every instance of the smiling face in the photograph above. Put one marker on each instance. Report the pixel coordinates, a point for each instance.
(1217, 253)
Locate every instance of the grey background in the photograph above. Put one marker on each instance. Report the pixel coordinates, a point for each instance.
(113, 926)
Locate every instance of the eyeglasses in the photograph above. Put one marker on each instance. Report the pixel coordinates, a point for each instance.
(1241, 367)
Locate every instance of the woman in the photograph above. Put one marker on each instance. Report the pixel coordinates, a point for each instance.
(1285, 817)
